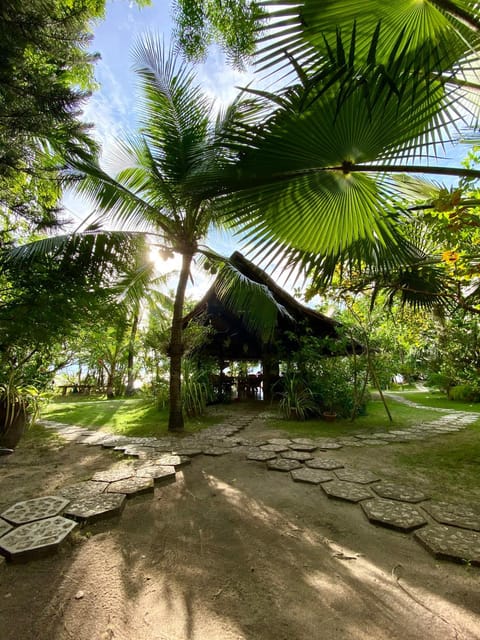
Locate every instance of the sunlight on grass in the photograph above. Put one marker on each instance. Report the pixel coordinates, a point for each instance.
(130, 417)
(437, 399)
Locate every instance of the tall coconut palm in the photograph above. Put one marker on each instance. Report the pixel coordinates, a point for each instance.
(166, 187)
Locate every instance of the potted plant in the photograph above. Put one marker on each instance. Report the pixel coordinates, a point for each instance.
(19, 407)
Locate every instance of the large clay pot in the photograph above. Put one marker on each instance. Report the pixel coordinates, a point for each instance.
(13, 428)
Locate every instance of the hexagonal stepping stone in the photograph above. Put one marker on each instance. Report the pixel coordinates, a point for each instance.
(296, 455)
(328, 444)
(4, 527)
(191, 452)
(312, 476)
(457, 515)
(281, 464)
(274, 448)
(261, 456)
(80, 489)
(95, 507)
(393, 514)
(112, 475)
(158, 472)
(215, 451)
(131, 486)
(364, 436)
(356, 475)
(346, 491)
(307, 441)
(395, 491)
(374, 442)
(298, 446)
(35, 509)
(283, 441)
(448, 543)
(36, 539)
(324, 463)
(171, 460)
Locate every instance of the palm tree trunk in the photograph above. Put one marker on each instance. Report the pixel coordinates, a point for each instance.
(131, 355)
(175, 418)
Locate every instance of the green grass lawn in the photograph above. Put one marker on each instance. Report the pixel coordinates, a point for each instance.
(123, 416)
(437, 399)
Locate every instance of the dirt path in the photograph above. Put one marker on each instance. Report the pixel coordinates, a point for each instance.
(230, 551)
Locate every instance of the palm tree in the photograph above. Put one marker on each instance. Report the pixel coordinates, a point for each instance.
(166, 187)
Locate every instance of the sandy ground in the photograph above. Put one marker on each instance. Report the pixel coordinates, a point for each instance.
(229, 552)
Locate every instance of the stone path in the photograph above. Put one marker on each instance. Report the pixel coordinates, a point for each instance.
(448, 531)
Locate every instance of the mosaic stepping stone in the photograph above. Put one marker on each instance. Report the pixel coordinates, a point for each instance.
(4, 527)
(172, 460)
(357, 476)
(191, 452)
(95, 507)
(35, 509)
(296, 455)
(312, 476)
(394, 515)
(80, 489)
(36, 539)
(275, 448)
(345, 491)
(329, 445)
(132, 486)
(215, 451)
(157, 472)
(281, 464)
(303, 447)
(324, 463)
(307, 441)
(400, 492)
(283, 441)
(457, 515)
(261, 456)
(112, 475)
(448, 543)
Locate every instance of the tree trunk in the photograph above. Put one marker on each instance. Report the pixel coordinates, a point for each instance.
(175, 418)
(130, 356)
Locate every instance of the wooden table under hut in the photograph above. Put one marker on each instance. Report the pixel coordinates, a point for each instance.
(231, 340)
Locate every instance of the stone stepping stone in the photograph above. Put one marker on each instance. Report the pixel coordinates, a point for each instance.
(215, 451)
(283, 441)
(80, 489)
(4, 527)
(375, 443)
(297, 455)
(307, 441)
(95, 507)
(112, 475)
(36, 539)
(329, 444)
(298, 446)
(191, 452)
(95, 440)
(132, 486)
(394, 515)
(324, 463)
(172, 460)
(312, 476)
(35, 509)
(388, 437)
(346, 491)
(357, 476)
(275, 448)
(457, 515)
(448, 543)
(399, 492)
(365, 436)
(157, 472)
(281, 464)
(261, 456)
(351, 443)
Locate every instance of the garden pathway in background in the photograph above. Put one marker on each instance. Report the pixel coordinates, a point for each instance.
(448, 531)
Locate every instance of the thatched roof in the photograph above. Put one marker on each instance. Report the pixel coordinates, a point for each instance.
(232, 340)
